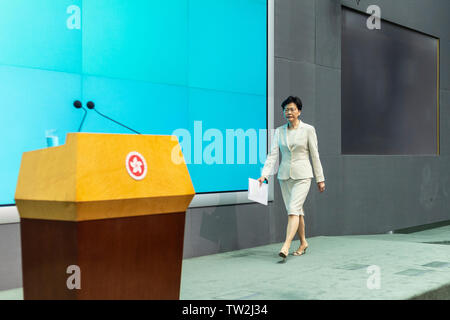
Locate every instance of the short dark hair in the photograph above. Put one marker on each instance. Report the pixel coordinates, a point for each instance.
(292, 99)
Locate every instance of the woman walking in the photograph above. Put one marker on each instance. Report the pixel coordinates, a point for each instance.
(297, 141)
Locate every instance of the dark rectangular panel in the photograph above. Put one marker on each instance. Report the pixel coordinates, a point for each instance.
(389, 88)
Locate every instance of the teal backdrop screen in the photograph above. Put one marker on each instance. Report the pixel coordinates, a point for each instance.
(193, 68)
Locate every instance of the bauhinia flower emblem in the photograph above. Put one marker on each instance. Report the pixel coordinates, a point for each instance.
(136, 165)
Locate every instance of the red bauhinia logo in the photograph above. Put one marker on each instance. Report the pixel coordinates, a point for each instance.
(136, 165)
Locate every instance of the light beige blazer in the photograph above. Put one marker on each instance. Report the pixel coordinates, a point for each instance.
(295, 154)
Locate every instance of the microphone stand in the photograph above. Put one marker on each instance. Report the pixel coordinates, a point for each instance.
(91, 106)
(82, 121)
(77, 104)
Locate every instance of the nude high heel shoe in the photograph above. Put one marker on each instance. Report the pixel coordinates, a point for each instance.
(283, 255)
(299, 253)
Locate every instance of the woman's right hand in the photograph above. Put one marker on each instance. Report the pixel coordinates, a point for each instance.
(261, 180)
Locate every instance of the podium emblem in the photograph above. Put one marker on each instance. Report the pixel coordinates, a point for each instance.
(136, 165)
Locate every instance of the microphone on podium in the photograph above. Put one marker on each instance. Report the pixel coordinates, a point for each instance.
(77, 104)
(91, 106)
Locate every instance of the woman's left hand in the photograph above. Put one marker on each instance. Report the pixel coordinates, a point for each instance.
(321, 186)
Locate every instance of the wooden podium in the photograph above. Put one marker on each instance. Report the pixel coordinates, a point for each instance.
(112, 205)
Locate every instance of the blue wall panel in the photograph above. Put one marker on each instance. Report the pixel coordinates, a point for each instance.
(155, 65)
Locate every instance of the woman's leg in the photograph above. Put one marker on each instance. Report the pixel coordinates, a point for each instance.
(302, 190)
(292, 227)
(286, 186)
(301, 233)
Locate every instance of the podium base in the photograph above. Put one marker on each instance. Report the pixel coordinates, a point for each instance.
(122, 258)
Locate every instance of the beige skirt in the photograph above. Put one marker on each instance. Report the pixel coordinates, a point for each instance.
(294, 194)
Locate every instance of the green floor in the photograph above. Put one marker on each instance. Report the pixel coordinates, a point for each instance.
(333, 268)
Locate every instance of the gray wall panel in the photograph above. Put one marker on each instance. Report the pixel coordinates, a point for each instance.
(295, 29)
(328, 110)
(256, 216)
(210, 229)
(10, 257)
(444, 123)
(327, 216)
(283, 84)
(395, 191)
(328, 33)
(295, 78)
(444, 58)
(303, 84)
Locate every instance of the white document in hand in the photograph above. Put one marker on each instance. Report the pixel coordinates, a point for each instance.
(258, 193)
